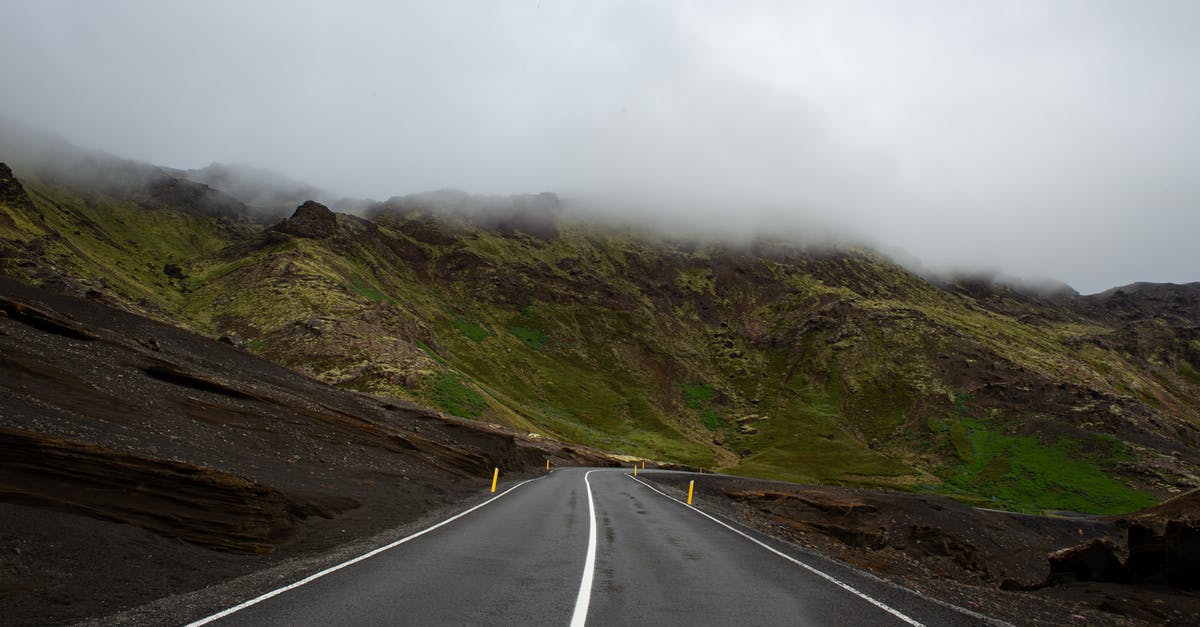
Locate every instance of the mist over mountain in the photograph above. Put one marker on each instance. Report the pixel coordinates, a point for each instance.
(267, 194)
(1050, 140)
(705, 348)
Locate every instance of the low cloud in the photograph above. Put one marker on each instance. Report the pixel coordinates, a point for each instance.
(1041, 139)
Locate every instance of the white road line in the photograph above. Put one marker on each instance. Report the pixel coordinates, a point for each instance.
(264, 597)
(834, 580)
(579, 618)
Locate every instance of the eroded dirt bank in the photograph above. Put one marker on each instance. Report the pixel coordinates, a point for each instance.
(138, 460)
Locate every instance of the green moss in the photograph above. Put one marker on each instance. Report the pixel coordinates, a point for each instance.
(958, 438)
(456, 398)
(804, 440)
(696, 280)
(698, 394)
(532, 338)
(366, 290)
(475, 332)
(1023, 474)
(711, 420)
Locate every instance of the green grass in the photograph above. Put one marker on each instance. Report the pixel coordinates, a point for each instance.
(1023, 474)
(530, 337)
(368, 291)
(475, 332)
(456, 398)
(711, 419)
(698, 394)
(804, 441)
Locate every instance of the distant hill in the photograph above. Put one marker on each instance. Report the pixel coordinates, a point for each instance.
(267, 195)
(830, 365)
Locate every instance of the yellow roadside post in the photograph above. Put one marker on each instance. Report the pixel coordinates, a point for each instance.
(643, 465)
(635, 470)
(691, 486)
(547, 465)
(495, 478)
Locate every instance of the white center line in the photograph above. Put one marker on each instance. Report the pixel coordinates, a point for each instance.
(278, 591)
(579, 618)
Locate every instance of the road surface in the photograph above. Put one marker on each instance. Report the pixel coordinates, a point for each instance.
(596, 547)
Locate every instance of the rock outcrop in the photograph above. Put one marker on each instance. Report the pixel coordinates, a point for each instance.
(312, 219)
(13, 194)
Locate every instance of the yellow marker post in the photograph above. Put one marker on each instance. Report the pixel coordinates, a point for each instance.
(691, 486)
(635, 470)
(701, 471)
(547, 465)
(495, 478)
(643, 465)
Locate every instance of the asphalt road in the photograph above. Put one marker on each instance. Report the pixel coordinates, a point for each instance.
(523, 559)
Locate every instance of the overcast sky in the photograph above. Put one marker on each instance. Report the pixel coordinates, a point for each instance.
(1038, 138)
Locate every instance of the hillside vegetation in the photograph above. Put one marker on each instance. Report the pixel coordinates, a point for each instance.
(766, 359)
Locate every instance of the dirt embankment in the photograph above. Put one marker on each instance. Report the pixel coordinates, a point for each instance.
(139, 460)
(1135, 569)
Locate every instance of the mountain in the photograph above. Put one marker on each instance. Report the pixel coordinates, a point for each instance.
(268, 196)
(770, 359)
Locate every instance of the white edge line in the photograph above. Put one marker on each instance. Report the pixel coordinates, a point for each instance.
(278, 591)
(579, 616)
(834, 580)
(950, 606)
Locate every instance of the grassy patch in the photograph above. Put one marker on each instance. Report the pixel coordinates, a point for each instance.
(368, 291)
(530, 337)
(804, 441)
(698, 394)
(711, 419)
(475, 332)
(454, 397)
(1021, 473)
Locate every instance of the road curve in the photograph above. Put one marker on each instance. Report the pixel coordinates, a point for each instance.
(523, 559)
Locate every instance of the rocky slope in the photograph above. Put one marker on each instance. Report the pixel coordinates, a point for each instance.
(767, 359)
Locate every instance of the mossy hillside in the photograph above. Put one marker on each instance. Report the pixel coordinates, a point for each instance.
(583, 372)
(596, 335)
(562, 377)
(125, 245)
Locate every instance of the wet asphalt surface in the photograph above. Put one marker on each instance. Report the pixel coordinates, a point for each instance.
(519, 561)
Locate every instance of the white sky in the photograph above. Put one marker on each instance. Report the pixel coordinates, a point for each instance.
(1040, 138)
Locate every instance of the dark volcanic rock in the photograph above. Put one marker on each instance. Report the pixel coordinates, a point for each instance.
(312, 219)
(174, 271)
(1098, 560)
(1162, 546)
(13, 194)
